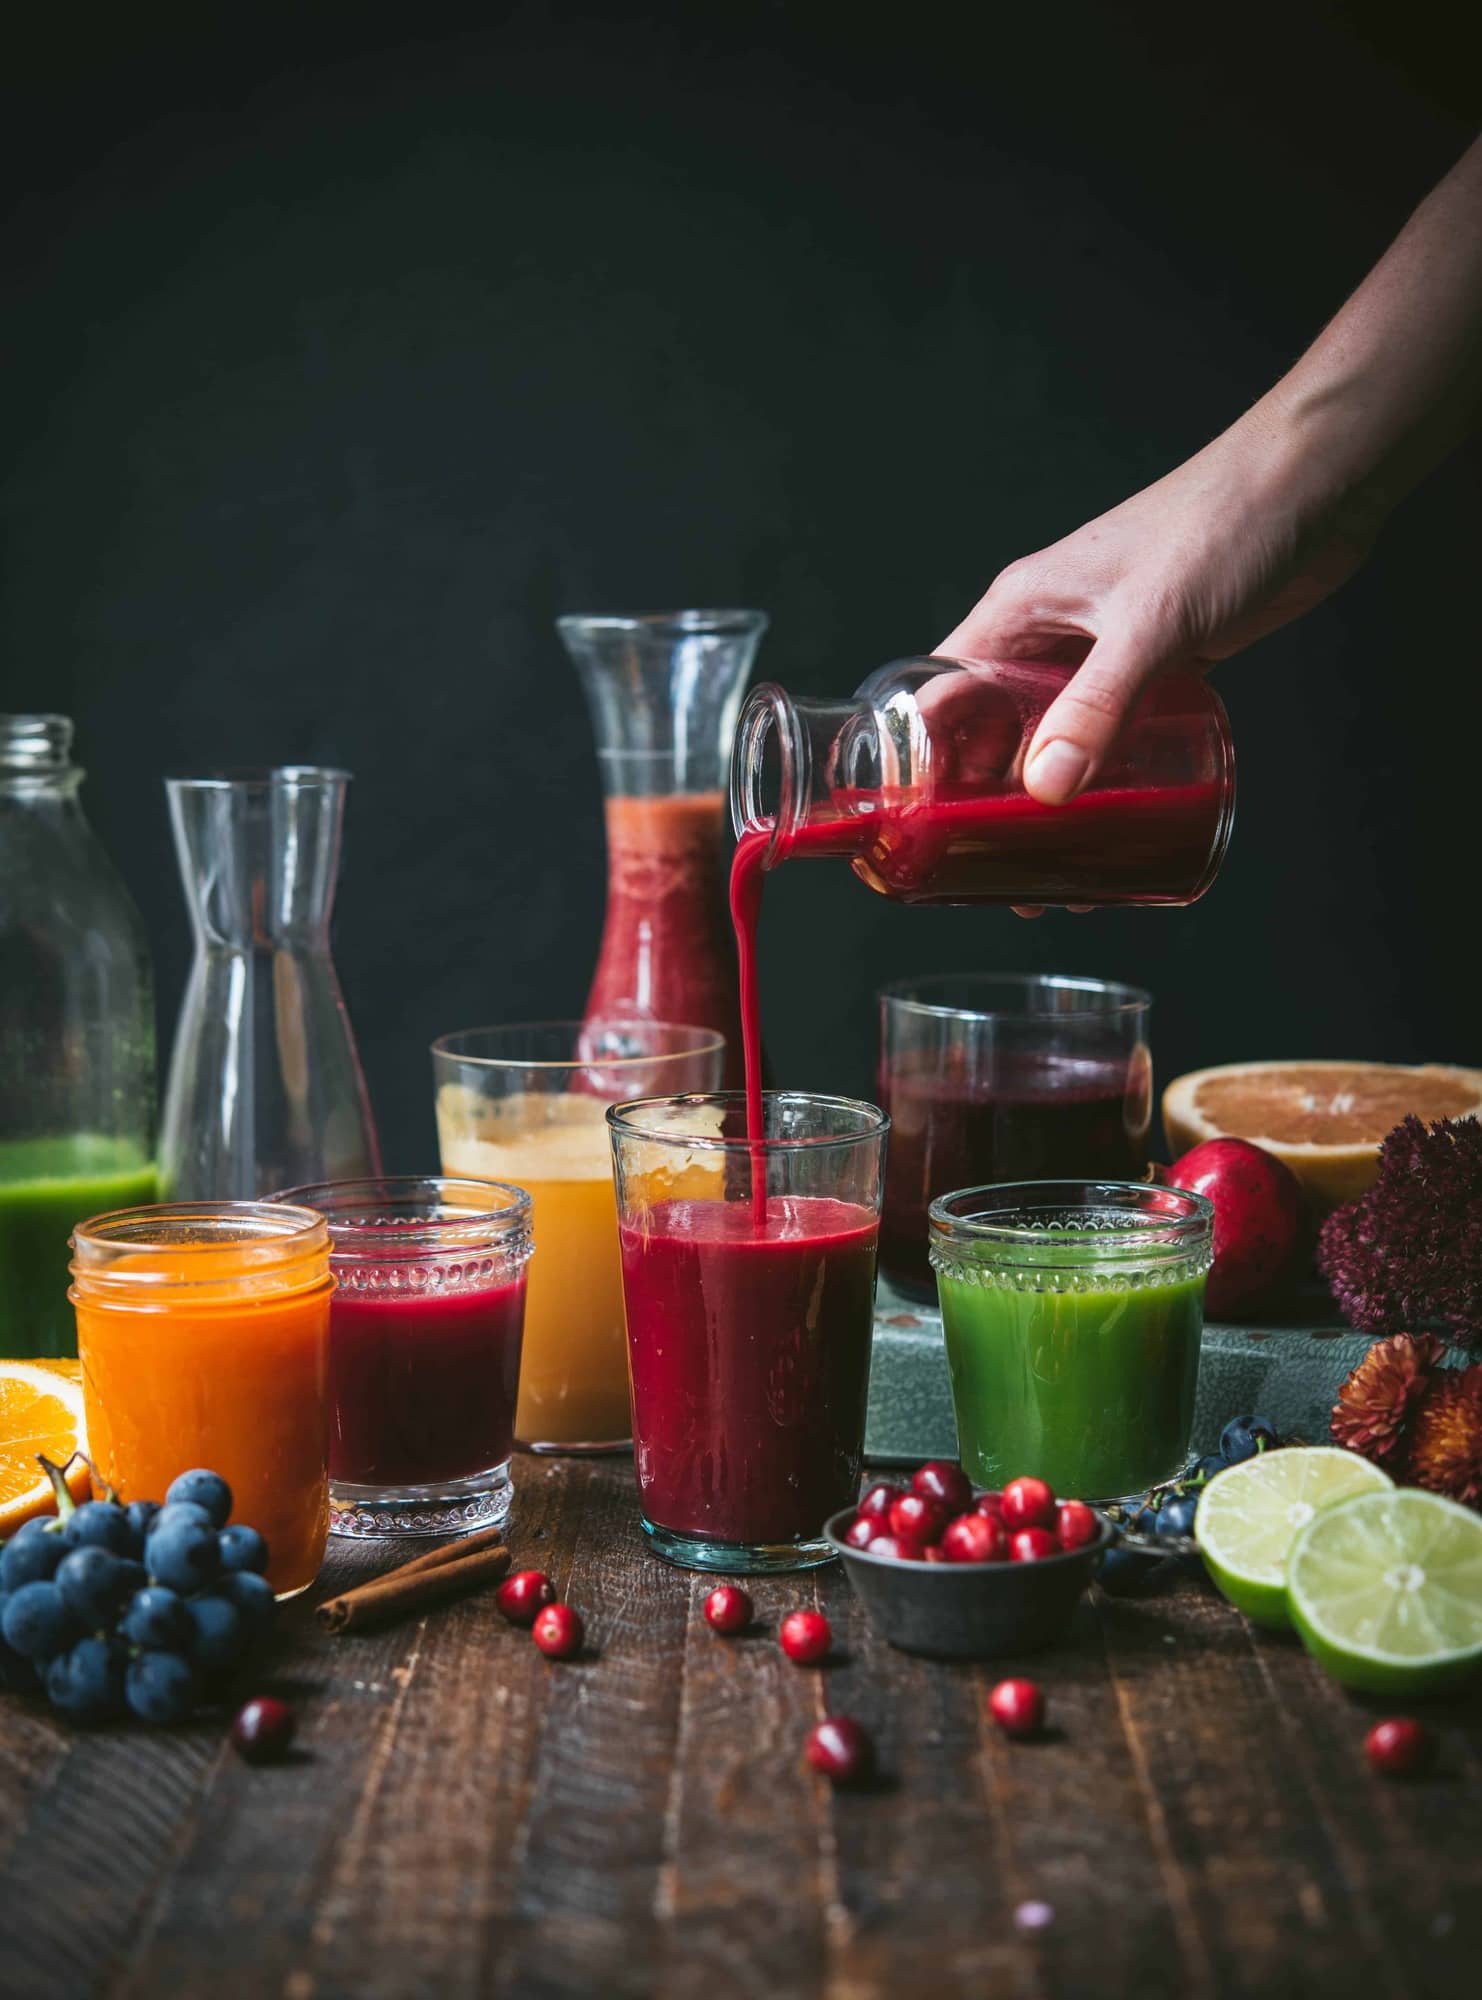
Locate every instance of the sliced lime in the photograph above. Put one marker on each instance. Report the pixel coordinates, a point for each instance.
(1249, 1514)
(1386, 1591)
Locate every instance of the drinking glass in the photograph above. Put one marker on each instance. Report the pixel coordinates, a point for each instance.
(526, 1105)
(203, 1329)
(749, 1281)
(1018, 1076)
(1073, 1312)
(424, 1350)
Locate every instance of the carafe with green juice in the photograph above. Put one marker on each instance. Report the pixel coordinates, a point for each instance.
(77, 1088)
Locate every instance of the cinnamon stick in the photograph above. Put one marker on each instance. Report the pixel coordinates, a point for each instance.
(427, 1579)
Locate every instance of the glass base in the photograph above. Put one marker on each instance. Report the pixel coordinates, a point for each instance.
(542, 1449)
(733, 1558)
(446, 1507)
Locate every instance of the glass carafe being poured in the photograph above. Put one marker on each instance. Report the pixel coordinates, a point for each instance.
(265, 1089)
(664, 691)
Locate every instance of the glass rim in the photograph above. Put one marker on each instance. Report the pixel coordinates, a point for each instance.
(695, 620)
(271, 1239)
(1129, 999)
(263, 777)
(623, 1125)
(1184, 1218)
(479, 1222)
(706, 1041)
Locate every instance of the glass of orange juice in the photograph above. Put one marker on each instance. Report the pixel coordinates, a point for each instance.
(203, 1330)
(528, 1104)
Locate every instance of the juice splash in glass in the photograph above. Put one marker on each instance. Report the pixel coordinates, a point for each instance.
(1073, 1312)
(1005, 1077)
(750, 1313)
(527, 1105)
(203, 1330)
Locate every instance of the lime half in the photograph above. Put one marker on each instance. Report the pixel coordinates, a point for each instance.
(1386, 1591)
(1249, 1515)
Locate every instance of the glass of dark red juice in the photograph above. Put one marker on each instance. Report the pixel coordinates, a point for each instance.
(425, 1329)
(1005, 1077)
(749, 1286)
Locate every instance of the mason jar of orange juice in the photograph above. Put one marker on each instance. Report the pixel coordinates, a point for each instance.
(203, 1330)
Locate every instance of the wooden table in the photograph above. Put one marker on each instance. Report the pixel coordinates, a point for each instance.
(467, 1817)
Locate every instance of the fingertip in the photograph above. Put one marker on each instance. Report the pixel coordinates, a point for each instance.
(1056, 770)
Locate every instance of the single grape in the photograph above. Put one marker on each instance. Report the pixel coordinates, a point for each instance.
(161, 1688)
(182, 1553)
(142, 1515)
(253, 1597)
(95, 1586)
(87, 1684)
(204, 1489)
(36, 1622)
(32, 1553)
(102, 1524)
(242, 1548)
(218, 1632)
(156, 1618)
(1176, 1516)
(176, 1511)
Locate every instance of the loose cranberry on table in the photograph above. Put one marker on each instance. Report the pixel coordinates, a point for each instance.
(973, 1538)
(557, 1631)
(1032, 1545)
(263, 1729)
(728, 1608)
(940, 1480)
(913, 1518)
(1076, 1525)
(520, 1596)
(1028, 1503)
(1399, 1747)
(805, 1636)
(1018, 1707)
(841, 1749)
(878, 1501)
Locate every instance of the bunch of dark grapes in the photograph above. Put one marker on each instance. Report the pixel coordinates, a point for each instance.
(136, 1610)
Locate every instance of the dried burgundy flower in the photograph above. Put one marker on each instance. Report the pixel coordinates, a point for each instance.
(1375, 1402)
(1445, 1454)
(1409, 1252)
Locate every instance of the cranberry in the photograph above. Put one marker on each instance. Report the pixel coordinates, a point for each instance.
(805, 1637)
(1018, 1707)
(878, 1501)
(887, 1545)
(862, 1531)
(940, 1480)
(914, 1518)
(728, 1608)
(520, 1596)
(1028, 1503)
(263, 1729)
(1076, 1525)
(933, 1553)
(840, 1749)
(1030, 1545)
(990, 1504)
(557, 1631)
(1399, 1748)
(973, 1538)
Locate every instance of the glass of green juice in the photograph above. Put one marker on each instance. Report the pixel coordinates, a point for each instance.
(1073, 1312)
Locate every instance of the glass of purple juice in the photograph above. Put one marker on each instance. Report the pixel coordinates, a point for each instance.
(749, 1286)
(425, 1328)
(999, 1077)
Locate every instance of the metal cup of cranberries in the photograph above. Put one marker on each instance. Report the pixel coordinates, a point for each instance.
(960, 1575)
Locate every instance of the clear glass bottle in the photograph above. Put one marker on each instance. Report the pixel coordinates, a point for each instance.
(77, 1076)
(917, 780)
(265, 1089)
(664, 691)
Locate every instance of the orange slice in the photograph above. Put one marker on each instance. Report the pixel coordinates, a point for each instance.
(1325, 1119)
(40, 1411)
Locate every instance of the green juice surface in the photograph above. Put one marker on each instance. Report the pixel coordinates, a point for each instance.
(1092, 1391)
(48, 1186)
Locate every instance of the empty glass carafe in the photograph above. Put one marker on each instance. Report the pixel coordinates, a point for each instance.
(265, 1089)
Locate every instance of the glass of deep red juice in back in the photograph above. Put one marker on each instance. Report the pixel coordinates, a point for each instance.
(1005, 1077)
(749, 1311)
(425, 1330)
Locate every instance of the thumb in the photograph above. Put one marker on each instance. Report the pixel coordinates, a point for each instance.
(1083, 721)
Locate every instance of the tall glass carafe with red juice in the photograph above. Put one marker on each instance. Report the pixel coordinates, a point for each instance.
(664, 690)
(76, 1034)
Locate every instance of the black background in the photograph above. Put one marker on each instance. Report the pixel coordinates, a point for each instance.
(343, 353)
